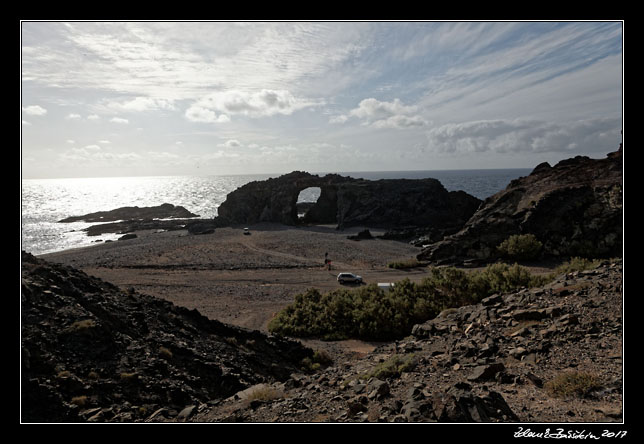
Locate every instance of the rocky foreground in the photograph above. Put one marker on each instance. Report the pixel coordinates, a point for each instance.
(511, 358)
(92, 352)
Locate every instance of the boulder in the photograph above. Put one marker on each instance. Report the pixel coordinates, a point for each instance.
(460, 405)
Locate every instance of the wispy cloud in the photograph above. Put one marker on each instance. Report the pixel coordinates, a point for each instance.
(278, 95)
(262, 103)
(506, 136)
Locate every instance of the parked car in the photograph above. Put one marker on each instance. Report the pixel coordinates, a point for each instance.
(349, 277)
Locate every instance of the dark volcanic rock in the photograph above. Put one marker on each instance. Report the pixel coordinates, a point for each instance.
(349, 202)
(573, 209)
(363, 235)
(163, 211)
(91, 351)
(459, 405)
(124, 220)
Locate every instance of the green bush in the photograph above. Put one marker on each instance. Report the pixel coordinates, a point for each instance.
(522, 247)
(370, 313)
(577, 264)
(393, 367)
(406, 264)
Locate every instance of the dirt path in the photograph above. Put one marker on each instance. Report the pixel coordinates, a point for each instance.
(239, 279)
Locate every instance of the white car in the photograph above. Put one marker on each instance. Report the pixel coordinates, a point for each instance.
(349, 277)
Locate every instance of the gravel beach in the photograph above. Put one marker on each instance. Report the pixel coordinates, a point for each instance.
(240, 279)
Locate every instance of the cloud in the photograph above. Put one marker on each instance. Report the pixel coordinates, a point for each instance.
(200, 114)
(180, 61)
(34, 110)
(93, 117)
(92, 154)
(73, 116)
(257, 104)
(139, 104)
(380, 114)
(511, 136)
(232, 143)
(119, 120)
(25, 123)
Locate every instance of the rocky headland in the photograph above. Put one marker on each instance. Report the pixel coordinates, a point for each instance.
(349, 202)
(573, 208)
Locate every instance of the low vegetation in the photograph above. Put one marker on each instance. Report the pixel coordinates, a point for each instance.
(406, 264)
(572, 384)
(520, 247)
(369, 313)
(393, 367)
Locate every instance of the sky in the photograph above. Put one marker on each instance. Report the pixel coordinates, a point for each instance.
(216, 98)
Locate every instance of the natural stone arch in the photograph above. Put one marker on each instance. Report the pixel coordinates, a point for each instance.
(325, 210)
(306, 199)
(349, 202)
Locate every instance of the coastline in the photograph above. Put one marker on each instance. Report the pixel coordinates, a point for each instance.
(235, 278)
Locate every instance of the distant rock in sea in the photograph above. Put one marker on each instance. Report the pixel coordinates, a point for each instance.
(163, 211)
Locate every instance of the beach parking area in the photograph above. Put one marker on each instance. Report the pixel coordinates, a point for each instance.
(241, 279)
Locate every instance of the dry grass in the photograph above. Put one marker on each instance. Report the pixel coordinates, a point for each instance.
(264, 393)
(572, 384)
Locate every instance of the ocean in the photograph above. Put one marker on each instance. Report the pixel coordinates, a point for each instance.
(46, 201)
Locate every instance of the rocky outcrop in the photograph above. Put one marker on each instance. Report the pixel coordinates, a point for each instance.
(348, 202)
(489, 362)
(92, 352)
(573, 208)
(126, 220)
(163, 211)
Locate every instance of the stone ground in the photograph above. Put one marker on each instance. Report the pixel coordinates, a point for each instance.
(460, 365)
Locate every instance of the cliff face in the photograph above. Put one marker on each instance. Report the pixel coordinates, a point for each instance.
(574, 208)
(349, 202)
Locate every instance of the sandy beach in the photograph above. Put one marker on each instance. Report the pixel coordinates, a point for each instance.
(240, 279)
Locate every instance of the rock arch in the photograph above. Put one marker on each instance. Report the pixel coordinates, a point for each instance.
(349, 202)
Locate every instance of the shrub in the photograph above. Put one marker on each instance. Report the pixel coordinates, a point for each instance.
(577, 264)
(264, 393)
(402, 265)
(371, 314)
(520, 247)
(393, 367)
(570, 384)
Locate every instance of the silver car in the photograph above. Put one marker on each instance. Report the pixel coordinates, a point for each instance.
(349, 277)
